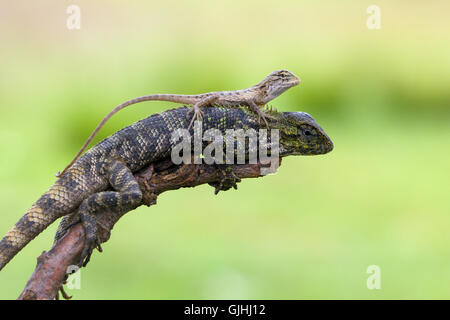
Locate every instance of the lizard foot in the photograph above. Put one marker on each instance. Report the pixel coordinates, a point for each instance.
(63, 292)
(261, 114)
(264, 115)
(92, 240)
(228, 180)
(198, 115)
(68, 222)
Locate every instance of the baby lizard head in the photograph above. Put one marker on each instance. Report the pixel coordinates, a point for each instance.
(275, 84)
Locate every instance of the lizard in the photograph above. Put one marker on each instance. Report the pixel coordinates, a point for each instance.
(254, 97)
(103, 177)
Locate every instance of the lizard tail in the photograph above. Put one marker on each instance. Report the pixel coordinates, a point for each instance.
(44, 212)
(178, 98)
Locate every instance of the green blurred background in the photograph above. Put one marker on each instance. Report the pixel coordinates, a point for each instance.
(309, 231)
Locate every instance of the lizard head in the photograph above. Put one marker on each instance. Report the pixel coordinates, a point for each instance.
(301, 135)
(275, 84)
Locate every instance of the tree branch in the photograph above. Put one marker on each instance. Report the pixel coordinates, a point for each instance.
(50, 272)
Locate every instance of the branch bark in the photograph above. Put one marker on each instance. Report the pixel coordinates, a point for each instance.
(50, 272)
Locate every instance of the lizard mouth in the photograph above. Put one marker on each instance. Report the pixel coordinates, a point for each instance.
(330, 146)
(293, 83)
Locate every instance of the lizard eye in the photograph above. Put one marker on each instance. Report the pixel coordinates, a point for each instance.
(309, 132)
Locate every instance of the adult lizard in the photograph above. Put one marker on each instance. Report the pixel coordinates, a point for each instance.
(85, 188)
(254, 97)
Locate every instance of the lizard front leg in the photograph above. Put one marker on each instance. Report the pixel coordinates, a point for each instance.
(198, 114)
(127, 196)
(261, 114)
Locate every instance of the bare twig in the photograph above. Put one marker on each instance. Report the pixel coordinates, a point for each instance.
(50, 272)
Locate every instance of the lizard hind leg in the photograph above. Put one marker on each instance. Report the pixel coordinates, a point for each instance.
(127, 196)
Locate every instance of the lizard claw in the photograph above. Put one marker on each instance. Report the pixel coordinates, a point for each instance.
(92, 240)
(264, 115)
(89, 247)
(63, 292)
(261, 114)
(198, 115)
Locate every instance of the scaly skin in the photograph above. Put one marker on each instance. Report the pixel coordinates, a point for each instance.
(112, 162)
(255, 97)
